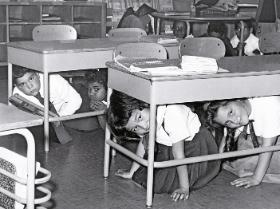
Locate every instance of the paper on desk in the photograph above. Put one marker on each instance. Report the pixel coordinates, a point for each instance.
(199, 65)
(156, 67)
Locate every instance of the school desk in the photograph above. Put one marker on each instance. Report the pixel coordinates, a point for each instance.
(15, 121)
(58, 56)
(159, 16)
(248, 77)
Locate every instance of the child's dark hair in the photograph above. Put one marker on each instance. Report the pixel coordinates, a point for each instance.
(212, 109)
(119, 112)
(218, 27)
(248, 23)
(19, 71)
(99, 76)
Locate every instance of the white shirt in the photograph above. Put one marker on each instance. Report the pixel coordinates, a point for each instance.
(266, 115)
(176, 123)
(252, 44)
(63, 96)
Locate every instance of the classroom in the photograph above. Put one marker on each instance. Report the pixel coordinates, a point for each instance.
(121, 104)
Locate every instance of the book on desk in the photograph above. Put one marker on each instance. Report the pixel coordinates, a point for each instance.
(189, 65)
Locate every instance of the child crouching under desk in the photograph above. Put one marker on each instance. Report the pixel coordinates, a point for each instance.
(263, 115)
(179, 135)
(93, 89)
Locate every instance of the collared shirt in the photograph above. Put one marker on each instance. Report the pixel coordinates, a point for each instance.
(176, 123)
(252, 44)
(266, 115)
(63, 96)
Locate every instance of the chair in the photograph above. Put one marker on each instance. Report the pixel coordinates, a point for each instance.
(54, 32)
(202, 46)
(140, 50)
(270, 43)
(126, 34)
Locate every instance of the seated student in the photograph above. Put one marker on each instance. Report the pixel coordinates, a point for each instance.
(179, 135)
(263, 115)
(180, 29)
(139, 19)
(97, 92)
(251, 42)
(219, 30)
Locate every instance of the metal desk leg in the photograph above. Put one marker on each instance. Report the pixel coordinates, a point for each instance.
(158, 21)
(10, 80)
(107, 138)
(241, 37)
(152, 136)
(107, 153)
(188, 28)
(46, 112)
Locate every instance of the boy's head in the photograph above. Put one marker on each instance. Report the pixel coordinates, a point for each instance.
(217, 29)
(127, 116)
(180, 29)
(26, 80)
(97, 84)
(248, 29)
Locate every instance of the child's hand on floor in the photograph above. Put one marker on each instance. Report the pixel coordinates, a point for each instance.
(246, 182)
(124, 173)
(180, 194)
(97, 105)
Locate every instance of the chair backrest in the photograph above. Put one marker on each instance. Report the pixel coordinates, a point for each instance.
(267, 11)
(54, 32)
(140, 50)
(126, 34)
(202, 46)
(270, 43)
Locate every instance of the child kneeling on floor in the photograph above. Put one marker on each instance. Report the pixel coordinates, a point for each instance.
(179, 135)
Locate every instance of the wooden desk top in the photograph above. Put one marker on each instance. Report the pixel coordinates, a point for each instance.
(13, 118)
(75, 46)
(189, 18)
(248, 77)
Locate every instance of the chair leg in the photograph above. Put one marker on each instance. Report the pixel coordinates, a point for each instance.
(114, 153)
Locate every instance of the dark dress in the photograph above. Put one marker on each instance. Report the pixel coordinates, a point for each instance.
(166, 179)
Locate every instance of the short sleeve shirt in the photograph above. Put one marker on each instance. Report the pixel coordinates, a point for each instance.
(252, 44)
(266, 115)
(176, 123)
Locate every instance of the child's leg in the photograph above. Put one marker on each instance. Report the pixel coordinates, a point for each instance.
(166, 179)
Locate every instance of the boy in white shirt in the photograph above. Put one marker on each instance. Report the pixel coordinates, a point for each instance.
(64, 100)
(63, 96)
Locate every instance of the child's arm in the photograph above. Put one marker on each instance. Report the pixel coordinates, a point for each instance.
(262, 166)
(63, 94)
(181, 193)
(134, 167)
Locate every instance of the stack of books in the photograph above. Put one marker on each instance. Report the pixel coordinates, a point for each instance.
(199, 65)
